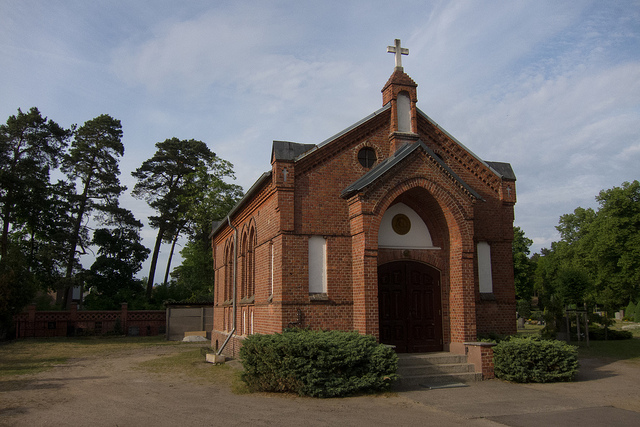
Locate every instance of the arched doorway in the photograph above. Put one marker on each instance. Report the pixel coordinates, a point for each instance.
(409, 306)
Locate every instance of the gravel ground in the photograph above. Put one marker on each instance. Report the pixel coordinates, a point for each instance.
(112, 391)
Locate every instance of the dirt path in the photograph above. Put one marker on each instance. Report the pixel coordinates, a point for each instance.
(114, 391)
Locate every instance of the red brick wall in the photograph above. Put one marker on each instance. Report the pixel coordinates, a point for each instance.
(286, 213)
(36, 324)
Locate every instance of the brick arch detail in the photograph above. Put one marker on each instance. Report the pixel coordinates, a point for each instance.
(453, 212)
(247, 228)
(458, 278)
(228, 266)
(428, 257)
(246, 258)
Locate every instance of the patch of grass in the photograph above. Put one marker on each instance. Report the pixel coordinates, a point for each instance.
(237, 385)
(530, 330)
(612, 349)
(28, 366)
(23, 357)
(192, 363)
(632, 327)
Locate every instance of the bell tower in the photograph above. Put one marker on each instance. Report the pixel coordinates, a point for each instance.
(400, 91)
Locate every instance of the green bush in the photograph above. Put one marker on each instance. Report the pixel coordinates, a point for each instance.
(537, 315)
(630, 311)
(317, 363)
(532, 360)
(523, 307)
(597, 333)
(637, 314)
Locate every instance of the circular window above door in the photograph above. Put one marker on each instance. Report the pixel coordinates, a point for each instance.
(401, 224)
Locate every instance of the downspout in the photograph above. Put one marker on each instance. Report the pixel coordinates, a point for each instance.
(235, 267)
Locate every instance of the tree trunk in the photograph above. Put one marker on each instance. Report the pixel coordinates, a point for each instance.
(74, 244)
(32, 249)
(173, 246)
(4, 242)
(66, 288)
(154, 261)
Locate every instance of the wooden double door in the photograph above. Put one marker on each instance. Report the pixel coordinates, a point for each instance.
(409, 306)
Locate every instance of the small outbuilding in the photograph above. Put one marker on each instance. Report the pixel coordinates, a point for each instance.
(188, 317)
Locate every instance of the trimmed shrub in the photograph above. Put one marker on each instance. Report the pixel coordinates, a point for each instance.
(532, 360)
(637, 314)
(317, 363)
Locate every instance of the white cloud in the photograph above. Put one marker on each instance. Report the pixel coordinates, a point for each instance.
(551, 87)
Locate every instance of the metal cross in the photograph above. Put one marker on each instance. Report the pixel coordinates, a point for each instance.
(398, 51)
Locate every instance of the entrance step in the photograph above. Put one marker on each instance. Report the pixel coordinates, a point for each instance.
(434, 370)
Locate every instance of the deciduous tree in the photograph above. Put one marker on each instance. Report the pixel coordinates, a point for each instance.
(522, 265)
(613, 246)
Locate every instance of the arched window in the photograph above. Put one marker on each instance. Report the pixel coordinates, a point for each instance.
(245, 270)
(404, 112)
(228, 283)
(248, 262)
(251, 263)
(484, 268)
(317, 265)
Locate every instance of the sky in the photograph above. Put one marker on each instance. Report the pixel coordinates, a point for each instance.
(553, 88)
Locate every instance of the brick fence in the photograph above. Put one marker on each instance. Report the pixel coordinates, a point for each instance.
(37, 324)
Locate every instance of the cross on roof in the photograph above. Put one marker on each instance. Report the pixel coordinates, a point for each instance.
(398, 51)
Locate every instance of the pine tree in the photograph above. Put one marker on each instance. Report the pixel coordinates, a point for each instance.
(92, 163)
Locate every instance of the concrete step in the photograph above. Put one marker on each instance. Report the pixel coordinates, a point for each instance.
(448, 368)
(439, 358)
(434, 370)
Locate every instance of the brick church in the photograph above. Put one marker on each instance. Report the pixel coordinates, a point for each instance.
(391, 227)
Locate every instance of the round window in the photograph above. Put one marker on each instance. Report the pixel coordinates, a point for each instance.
(401, 224)
(367, 157)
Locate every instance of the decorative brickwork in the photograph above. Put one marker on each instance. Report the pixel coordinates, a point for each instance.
(38, 324)
(461, 199)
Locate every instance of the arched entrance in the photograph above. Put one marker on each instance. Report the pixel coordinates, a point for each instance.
(409, 306)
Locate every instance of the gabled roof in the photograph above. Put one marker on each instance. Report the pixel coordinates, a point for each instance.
(285, 150)
(503, 169)
(390, 162)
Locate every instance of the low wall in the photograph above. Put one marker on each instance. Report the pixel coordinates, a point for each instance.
(40, 324)
(480, 354)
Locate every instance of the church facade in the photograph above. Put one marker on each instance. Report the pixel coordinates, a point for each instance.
(392, 228)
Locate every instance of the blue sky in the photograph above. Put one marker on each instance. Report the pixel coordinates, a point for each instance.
(551, 87)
